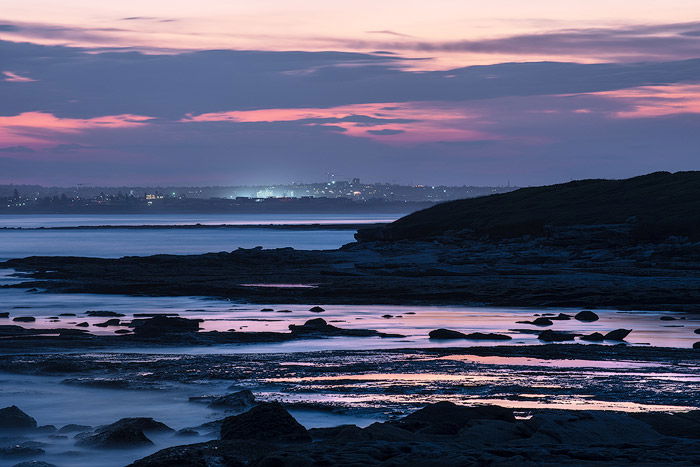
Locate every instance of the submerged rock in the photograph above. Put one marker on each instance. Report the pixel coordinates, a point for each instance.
(4, 314)
(24, 319)
(73, 428)
(560, 317)
(84, 324)
(125, 433)
(238, 400)
(446, 334)
(541, 321)
(556, 336)
(319, 326)
(103, 314)
(268, 421)
(617, 334)
(13, 418)
(587, 316)
(163, 325)
(109, 322)
(316, 309)
(595, 337)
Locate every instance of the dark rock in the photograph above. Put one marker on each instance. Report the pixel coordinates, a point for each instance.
(153, 315)
(681, 425)
(164, 325)
(19, 451)
(541, 321)
(267, 309)
(316, 309)
(67, 314)
(84, 324)
(34, 464)
(237, 453)
(387, 316)
(560, 317)
(667, 318)
(697, 331)
(587, 316)
(4, 314)
(595, 337)
(264, 422)
(187, 432)
(446, 334)
(556, 336)
(319, 326)
(238, 400)
(696, 345)
(122, 331)
(109, 322)
(284, 311)
(617, 334)
(45, 429)
(103, 314)
(125, 433)
(24, 319)
(12, 418)
(446, 418)
(73, 428)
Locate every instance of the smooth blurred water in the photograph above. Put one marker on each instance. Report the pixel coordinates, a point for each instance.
(115, 243)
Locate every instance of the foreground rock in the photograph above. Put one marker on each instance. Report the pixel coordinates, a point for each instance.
(268, 420)
(319, 326)
(449, 334)
(587, 316)
(123, 434)
(159, 326)
(13, 418)
(237, 401)
(445, 434)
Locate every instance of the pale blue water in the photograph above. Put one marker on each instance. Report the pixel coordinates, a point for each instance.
(114, 243)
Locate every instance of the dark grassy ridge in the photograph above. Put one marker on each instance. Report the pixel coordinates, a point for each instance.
(655, 206)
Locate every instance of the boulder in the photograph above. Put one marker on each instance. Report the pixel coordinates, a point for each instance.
(587, 316)
(446, 334)
(697, 331)
(490, 336)
(268, 421)
(164, 325)
(696, 345)
(316, 309)
(446, 418)
(556, 336)
(541, 321)
(319, 326)
(124, 433)
(668, 318)
(595, 337)
(103, 314)
(4, 314)
(84, 324)
(73, 428)
(13, 418)
(67, 314)
(238, 400)
(267, 309)
(560, 317)
(122, 331)
(109, 322)
(617, 334)
(24, 319)
(681, 425)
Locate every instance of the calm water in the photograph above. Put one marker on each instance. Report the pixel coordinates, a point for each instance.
(114, 243)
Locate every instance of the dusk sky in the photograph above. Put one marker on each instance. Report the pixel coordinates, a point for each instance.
(448, 91)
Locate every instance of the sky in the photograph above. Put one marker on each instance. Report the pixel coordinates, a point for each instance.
(458, 92)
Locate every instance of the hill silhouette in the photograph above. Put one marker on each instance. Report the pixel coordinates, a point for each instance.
(654, 206)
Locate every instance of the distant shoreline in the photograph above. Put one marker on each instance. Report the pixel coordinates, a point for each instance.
(310, 226)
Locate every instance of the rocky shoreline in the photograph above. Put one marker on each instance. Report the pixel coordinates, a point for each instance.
(585, 268)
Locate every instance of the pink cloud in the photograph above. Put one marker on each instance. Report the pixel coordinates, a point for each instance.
(41, 129)
(388, 122)
(16, 78)
(656, 101)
